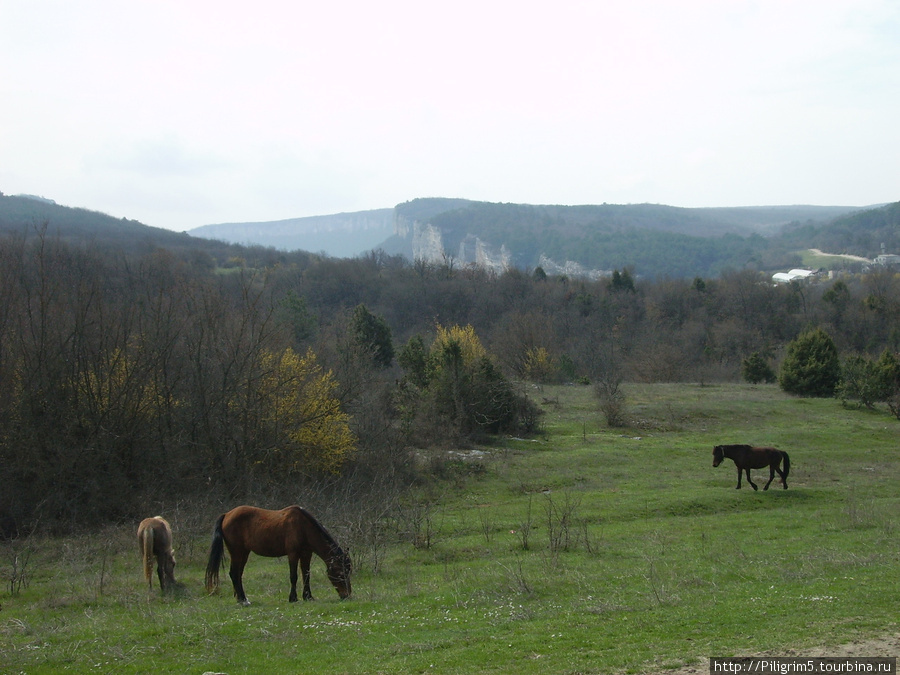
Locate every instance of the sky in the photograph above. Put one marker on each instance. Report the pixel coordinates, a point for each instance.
(182, 114)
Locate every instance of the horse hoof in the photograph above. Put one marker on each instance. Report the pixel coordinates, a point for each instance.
(244, 603)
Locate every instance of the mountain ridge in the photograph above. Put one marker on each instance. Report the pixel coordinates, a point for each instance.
(651, 240)
(311, 233)
(501, 235)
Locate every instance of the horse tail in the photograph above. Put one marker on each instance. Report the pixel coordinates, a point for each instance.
(147, 554)
(216, 553)
(787, 464)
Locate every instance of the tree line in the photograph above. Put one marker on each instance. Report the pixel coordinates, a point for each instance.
(138, 375)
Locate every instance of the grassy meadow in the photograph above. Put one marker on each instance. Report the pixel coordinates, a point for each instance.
(586, 550)
(814, 259)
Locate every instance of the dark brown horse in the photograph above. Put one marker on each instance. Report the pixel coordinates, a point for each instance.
(291, 531)
(747, 457)
(155, 541)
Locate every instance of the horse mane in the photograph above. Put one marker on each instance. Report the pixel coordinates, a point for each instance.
(326, 535)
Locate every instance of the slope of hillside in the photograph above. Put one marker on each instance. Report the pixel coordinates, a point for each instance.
(863, 233)
(652, 240)
(29, 215)
(342, 235)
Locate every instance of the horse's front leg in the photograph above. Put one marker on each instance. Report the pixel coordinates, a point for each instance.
(161, 575)
(304, 570)
(740, 471)
(292, 562)
(752, 484)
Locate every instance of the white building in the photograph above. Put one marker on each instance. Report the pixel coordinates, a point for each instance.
(887, 259)
(793, 275)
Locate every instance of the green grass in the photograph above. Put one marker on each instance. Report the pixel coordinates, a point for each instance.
(813, 260)
(640, 556)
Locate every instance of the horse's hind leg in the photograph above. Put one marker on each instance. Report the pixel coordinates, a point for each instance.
(236, 572)
(783, 477)
(771, 476)
(292, 561)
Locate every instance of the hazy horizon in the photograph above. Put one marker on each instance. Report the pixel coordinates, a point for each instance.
(181, 116)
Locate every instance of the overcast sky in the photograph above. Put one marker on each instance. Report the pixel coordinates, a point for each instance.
(181, 114)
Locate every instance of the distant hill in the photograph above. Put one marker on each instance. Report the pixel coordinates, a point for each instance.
(26, 215)
(652, 240)
(343, 235)
(700, 222)
(863, 233)
(655, 240)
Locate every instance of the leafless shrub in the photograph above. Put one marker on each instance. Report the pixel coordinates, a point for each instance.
(518, 580)
(523, 532)
(17, 553)
(416, 522)
(560, 521)
(487, 524)
(612, 402)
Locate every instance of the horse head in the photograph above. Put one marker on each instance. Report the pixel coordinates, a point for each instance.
(718, 455)
(339, 569)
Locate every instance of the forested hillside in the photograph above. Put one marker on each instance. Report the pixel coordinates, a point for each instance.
(861, 234)
(240, 370)
(653, 240)
(25, 215)
(342, 235)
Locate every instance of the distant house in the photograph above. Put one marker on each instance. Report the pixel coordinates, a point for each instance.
(888, 260)
(793, 275)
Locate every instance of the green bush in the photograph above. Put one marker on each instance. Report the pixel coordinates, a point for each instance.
(889, 372)
(861, 381)
(812, 366)
(456, 386)
(373, 333)
(754, 370)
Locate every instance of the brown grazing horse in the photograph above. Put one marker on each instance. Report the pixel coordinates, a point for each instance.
(292, 531)
(155, 541)
(747, 457)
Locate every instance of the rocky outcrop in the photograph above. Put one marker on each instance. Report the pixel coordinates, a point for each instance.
(428, 245)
